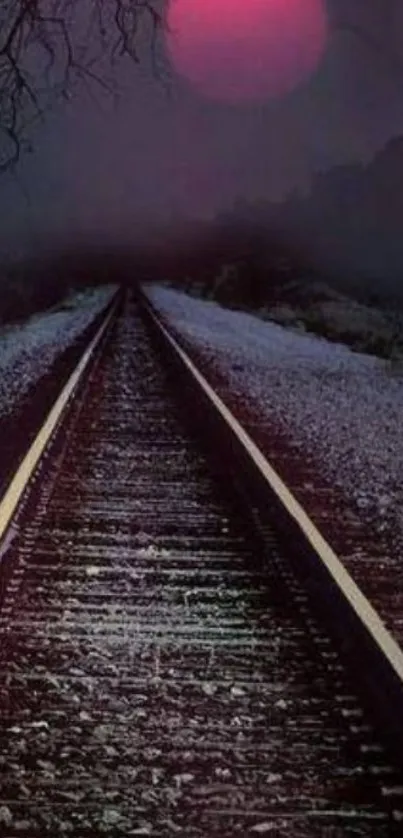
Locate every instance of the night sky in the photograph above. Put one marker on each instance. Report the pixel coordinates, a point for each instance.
(163, 156)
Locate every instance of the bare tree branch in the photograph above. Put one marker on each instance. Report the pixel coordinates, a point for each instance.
(48, 47)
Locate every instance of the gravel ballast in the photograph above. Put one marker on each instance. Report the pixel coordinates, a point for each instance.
(336, 412)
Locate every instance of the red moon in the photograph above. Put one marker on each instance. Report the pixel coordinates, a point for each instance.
(246, 49)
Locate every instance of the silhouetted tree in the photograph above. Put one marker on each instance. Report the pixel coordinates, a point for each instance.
(47, 46)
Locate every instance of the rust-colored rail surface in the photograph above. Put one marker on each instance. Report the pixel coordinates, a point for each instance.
(161, 671)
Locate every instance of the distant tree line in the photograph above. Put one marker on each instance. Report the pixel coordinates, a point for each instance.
(25, 289)
(347, 230)
(38, 282)
(352, 220)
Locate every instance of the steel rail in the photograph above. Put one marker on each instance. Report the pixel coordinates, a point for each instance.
(20, 480)
(376, 655)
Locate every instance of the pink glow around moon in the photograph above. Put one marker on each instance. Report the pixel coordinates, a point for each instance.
(246, 49)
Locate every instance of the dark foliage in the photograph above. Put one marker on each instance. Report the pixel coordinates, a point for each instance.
(38, 283)
(347, 231)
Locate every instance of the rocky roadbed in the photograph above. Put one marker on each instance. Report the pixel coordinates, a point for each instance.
(328, 419)
(36, 357)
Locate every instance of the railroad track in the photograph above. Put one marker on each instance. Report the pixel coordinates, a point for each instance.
(162, 670)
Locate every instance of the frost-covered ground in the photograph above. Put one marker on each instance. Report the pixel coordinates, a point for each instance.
(28, 350)
(342, 409)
